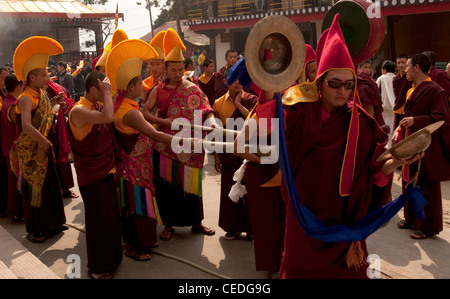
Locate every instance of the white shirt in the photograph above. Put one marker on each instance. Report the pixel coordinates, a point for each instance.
(384, 82)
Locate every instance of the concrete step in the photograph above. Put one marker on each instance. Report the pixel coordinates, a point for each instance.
(17, 262)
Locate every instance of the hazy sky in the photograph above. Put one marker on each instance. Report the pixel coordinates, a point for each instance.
(137, 18)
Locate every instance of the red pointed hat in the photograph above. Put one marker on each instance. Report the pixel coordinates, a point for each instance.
(94, 62)
(332, 51)
(332, 54)
(310, 55)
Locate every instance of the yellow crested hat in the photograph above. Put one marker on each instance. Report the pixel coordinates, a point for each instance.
(33, 53)
(125, 62)
(158, 44)
(118, 36)
(173, 46)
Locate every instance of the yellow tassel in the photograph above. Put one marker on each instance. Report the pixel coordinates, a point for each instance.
(194, 181)
(355, 255)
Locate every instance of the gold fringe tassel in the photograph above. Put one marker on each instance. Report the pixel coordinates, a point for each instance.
(355, 255)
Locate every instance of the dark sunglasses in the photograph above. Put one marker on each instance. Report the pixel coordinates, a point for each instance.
(336, 84)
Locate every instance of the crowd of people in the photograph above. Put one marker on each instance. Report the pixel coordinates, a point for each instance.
(115, 126)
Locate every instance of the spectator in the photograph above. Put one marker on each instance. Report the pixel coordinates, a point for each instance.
(385, 84)
(65, 79)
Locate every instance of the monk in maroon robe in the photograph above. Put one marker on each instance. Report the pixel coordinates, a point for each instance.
(427, 103)
(93, 145)
(9, 134)
(333, 144)
(401, 86)
(370, 96)
(437, 75)
(233, 216)
(220, 84)
(207, 81)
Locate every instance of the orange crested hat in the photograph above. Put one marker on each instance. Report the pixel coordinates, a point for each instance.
(118, 36)
(158, 44)
(33, 53)
(125, 62)
(173, 46)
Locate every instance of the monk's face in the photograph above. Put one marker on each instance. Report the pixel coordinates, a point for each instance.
(311, 71)
(366, 68)
(231, 58)
(156, 67)
(209, 70)
(134, 89)
(38, 78)
(333, 96)
(175, 71)
(401, 65)
(411, 70)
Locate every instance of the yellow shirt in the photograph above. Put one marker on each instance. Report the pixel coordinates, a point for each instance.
(33, 95)
(126, 106)
(205, 79)
(81, 133)
(224, 107)
(201, 59)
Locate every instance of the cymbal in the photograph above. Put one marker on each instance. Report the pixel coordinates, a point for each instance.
(413, 144)
(275, 53)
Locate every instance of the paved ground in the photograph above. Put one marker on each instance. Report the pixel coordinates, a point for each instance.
(196, 256)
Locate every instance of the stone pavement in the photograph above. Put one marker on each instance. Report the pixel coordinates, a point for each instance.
(195, 256)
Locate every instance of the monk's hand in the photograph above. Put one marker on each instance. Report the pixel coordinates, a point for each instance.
(238, 99)
(167, 122)
(407, 122)
(392, 163)
(105, 85)
(395, 137)
(404, 161)
(56, 100)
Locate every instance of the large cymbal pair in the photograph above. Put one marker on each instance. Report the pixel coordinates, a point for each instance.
(275, 48)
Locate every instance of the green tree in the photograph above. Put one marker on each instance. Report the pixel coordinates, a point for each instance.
(171, 10)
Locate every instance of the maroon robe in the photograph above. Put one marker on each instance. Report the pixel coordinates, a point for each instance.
(3, 171)
(316, 147)
(266, 206)
(209, 89)
(94, 161)
(220, 86)
(368, 93)
(441, 78)
(8, 135)
(233, 217)
(63, 167)
(429, 103)
(401, 87)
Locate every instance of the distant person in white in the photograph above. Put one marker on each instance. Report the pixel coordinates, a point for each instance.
(384, 83)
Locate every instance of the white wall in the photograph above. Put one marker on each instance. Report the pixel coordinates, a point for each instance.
(221, 49)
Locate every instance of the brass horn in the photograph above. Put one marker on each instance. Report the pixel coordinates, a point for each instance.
(275, 53)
